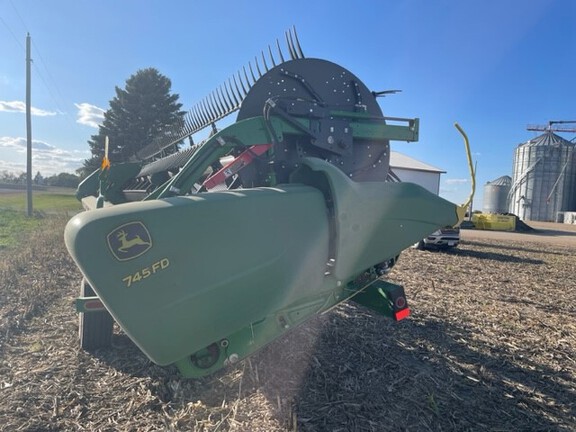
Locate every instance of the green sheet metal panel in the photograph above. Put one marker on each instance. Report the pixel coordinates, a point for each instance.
(213, 264)
(375, 221)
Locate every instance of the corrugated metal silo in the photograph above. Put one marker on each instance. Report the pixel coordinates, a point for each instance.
(496, 195)
(544, 178)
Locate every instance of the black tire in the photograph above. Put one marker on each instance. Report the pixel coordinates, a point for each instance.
(421, 245)
(94, 328)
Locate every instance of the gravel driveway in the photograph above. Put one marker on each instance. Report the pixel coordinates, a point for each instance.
(544, 232)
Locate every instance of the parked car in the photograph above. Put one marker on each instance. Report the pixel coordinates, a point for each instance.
(444, 238)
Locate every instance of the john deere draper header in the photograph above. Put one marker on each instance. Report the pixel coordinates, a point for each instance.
(279, 216)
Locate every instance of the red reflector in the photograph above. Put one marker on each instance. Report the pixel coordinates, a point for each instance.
(401, 314)
(93, 304)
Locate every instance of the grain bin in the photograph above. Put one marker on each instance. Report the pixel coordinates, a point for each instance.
(544, 178)
(496, 195)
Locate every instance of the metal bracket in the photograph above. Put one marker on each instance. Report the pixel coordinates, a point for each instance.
(386, 298)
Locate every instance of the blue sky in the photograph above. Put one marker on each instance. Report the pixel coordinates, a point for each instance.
(493, 66)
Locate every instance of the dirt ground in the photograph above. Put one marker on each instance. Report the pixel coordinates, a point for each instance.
(543, 232)
(490, 346)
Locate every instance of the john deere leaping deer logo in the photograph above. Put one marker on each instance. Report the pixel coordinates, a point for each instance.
(129, 241)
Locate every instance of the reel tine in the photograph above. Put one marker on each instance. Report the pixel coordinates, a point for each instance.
(176, 129)
(264, 61)
(222, 99)
(209, 109)
(199, 117)
(247, 79)
(290, 47)
(183, 130)
(192, 118)
(271, 56)
(185, 120)
(189, 129)
(254, 79)
(220, 103)
(223, 107)
(205, 111)
(196, 118)
(298, 46)
(203, 114)
(258, 66)
(177, 132)
(192, 121)
(215, 105)
(280, 51)
(242, 95)
(234, 102)
(226, 96)
(188, 126)
(237, 92)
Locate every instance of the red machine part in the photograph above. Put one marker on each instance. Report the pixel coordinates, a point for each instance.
(236, 165)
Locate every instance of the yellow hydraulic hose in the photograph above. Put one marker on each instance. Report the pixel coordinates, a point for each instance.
(461, 210)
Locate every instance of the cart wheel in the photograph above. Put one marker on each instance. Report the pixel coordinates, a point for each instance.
(95, 328)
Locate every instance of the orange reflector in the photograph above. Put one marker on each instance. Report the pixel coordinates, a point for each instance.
(105, 161)
(105, 164)
(401, 314)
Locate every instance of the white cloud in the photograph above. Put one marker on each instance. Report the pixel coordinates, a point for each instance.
(20, 144)
(20, 107)
(8, 142)
(456, 181)
(89, 115)
(46, 158)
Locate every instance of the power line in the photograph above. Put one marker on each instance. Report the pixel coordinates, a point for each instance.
(19, 16)
(58, 107)
(36, 68)
(49, 76)
(12, 33)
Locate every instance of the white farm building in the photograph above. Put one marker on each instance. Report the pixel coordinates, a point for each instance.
(407, 169)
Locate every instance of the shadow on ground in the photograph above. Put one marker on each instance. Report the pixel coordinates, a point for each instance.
(351, 370)
(489, 255)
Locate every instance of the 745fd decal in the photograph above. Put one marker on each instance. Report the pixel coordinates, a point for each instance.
(146, 272)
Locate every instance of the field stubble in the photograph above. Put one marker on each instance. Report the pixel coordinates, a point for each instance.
(490, 346)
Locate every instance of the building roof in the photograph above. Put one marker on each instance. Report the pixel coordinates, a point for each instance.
(547, 139)
(501, 181)
(401, 161)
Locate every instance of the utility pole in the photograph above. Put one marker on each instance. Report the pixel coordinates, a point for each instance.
(28, 131)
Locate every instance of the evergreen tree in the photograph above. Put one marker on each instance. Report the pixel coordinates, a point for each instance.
(137, 114)
(38, 179)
